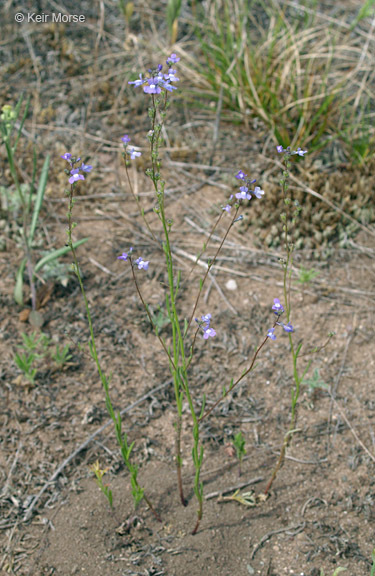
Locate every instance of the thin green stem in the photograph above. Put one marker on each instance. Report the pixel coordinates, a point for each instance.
(212, 262)
(208, 412)
(138, 492)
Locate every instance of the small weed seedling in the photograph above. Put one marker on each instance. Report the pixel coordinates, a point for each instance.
(34, 349)
(25, 362)
(239, 444)
(315, 383)
(61, 357)
(185, 334)
(99, 473)
(306, 275)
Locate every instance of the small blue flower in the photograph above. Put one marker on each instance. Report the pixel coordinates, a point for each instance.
(75, 177)
(280, 149)
(258, 192)
(86, 167)
(288, 327)
(277, 307)
(152, 86)
(173, 59)
(227, 208)
(270, 334)
(241, 175)
(243, 194)
(206, 318)
(67, 156)
(133, 153)
(126, 139)
(209, 333)
(125, 255)
(300, 152)
(142, 265)
(138, 82)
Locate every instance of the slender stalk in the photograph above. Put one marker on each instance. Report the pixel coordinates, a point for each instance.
(138, 492)
(209, 268)
(286, 218)
(208, 412)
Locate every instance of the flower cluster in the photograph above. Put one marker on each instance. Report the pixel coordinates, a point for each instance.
(299, 151)
(278, 309)
(75, 172)
(204, 323)
(133, 153)
(157, 80)
(245, 191)
(142, 265)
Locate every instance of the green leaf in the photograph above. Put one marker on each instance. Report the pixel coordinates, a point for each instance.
(203, 406)
(56, 254)
(39, 198)
(18, 289)
(17, 110)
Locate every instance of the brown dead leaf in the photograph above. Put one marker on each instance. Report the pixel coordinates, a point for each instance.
(24, 315)
(44, 294)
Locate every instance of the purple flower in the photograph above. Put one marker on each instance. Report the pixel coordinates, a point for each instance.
(75, 177)
(86, 167)
(126, 139)
(227, 208)
(280, 149)
(206, 319)
(142, 265)
(270, 334)
(288, 327)
(133, 153)
(277, 307)
(209, 333)
(243, 194)
(171, 76)
(258, 192)
(300, 152)
(152, 86)
(241, 175)
(169, 87)
(138, 82)
(173, 59)
(125, 255)
(66, 156)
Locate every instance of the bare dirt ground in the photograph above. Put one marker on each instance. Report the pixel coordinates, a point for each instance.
(321, 510)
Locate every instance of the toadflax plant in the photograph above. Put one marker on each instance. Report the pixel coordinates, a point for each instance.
(184, 332)
(74, 172)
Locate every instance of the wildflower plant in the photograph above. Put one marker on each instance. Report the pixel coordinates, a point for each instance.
(289, 219)
(185, 332)
(126, 449)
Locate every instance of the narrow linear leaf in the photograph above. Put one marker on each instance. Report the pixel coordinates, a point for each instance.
(39, 198)
(56, 254)
(18, 289)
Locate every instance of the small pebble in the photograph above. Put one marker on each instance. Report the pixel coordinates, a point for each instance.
(231, 285)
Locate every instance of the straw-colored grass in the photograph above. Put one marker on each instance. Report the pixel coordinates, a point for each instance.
(308, 77)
